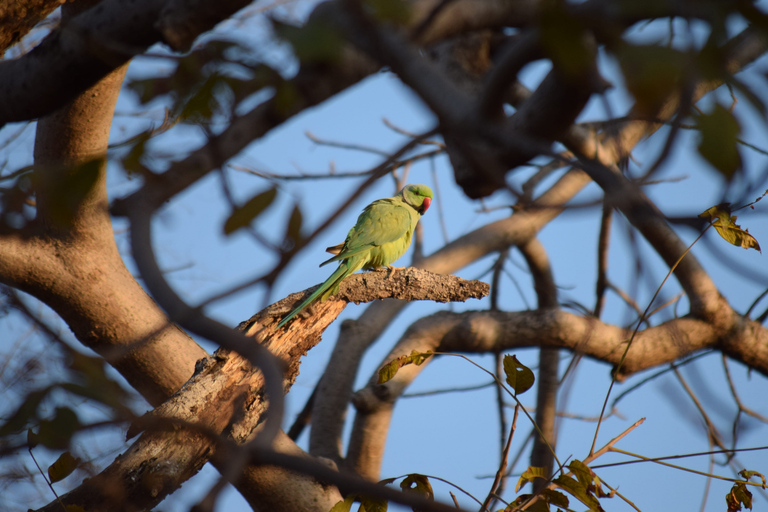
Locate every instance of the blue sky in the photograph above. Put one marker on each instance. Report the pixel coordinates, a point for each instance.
(455, 436)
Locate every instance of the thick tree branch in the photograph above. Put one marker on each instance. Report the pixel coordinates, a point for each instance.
(543, 118)
(626, 196)
(226, 397)
(88, 47)
(18, 17)
(68, 259)
(20, 248)
(408, 284)
(495, 331)
(662, 344)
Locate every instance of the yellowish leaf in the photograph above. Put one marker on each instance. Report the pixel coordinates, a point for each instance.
(389, 370)
(721, 219)
(418, 483)
(529, 475)
(343, 506)
(519, 376)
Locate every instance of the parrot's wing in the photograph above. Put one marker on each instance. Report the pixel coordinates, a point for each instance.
(381, 222)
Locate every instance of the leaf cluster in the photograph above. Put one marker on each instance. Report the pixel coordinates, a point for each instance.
(739, 496)
(210, 80)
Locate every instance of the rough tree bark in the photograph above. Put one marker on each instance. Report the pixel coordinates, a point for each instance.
(225, 397)
(67, 257)
(18, 17)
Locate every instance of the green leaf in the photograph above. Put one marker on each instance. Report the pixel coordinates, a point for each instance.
(26, 412)
(540, 505)
(418, 483)
(394, 11)
(96, 384)
(32, 438)
(565, 40)
(133, 160)
(582, 472)
(578, 491)
(652, 73)
(63, 467)
(314, 42)
(293, 228)
(389, 370)
(556, 498)
(719, 140)
(519, 376)
(205, 101)
(529, 475)
(720, 217)
(243, 216)
(343, 506)
(57, 432)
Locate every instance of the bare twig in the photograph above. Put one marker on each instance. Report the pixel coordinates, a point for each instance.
(501, 473)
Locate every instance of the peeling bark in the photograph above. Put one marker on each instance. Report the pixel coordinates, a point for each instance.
(18, 17)
(226, 397)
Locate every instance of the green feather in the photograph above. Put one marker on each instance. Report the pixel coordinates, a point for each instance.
(329, 285)
(381, 235)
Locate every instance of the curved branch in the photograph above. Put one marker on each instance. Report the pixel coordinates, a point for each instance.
(68, 259)
(654, 346)
(494, 331)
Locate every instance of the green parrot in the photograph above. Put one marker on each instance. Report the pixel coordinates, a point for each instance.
(381, 235)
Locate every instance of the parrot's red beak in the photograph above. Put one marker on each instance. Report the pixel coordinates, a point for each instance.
(425, 205)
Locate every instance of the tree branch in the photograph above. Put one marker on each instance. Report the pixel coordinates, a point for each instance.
(662, 344)
(495, 331)
(67, 257)
(226, 397)
(18, 17)
(548, 381)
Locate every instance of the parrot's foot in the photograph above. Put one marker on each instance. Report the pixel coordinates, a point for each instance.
(392, 270)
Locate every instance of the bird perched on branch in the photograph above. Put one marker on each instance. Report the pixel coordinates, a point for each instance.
(381, 235)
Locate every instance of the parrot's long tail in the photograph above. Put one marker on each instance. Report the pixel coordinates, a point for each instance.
(328, 288)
